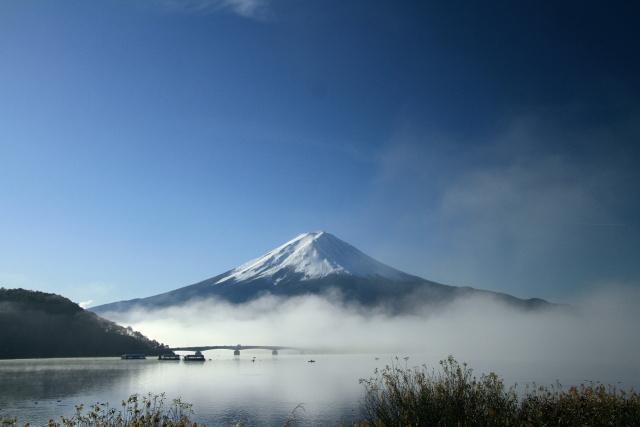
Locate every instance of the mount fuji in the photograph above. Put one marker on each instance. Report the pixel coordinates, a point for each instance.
(318, 264)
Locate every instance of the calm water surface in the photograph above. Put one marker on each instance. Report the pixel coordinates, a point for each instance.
(225, 389)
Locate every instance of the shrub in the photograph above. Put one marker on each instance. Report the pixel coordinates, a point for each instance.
(454, 397)
(145, 411)
(586, 405)
(415, 397)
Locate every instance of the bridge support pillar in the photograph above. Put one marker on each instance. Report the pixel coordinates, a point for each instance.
(274, 352)
(236, 352)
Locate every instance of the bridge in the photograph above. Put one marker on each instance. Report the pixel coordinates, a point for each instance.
(236, 348)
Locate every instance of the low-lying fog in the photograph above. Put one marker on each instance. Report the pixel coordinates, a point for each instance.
(599, 333)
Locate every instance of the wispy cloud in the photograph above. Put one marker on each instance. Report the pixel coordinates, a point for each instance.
(86, 294)
(85, 304)
(254, 9)
(521, 211)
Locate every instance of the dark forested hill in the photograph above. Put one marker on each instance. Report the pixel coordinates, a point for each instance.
(38, 324)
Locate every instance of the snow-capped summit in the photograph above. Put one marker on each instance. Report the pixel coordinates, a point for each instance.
(316, 264)
(313, 256)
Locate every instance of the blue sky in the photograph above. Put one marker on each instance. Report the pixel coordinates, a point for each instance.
(148, 145)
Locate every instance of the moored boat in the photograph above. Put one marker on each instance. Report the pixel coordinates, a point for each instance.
(169, 357)
(133, 356)
(198, 357)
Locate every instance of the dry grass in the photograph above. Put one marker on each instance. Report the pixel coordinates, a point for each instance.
(136, 411)
(454, 397)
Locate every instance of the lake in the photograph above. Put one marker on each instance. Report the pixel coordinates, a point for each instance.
(256, 388)
(222, 389)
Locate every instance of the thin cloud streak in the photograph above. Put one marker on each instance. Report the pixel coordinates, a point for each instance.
(600, 224)
(254, 9)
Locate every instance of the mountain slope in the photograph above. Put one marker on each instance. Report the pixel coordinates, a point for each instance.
(316, 263)
(37, 324)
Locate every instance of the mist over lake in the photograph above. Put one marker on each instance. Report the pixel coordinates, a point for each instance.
(153, 153)
(591, 342)
(598, 336)
(256, 388)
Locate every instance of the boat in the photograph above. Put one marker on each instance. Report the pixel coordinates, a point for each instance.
(198, 357)
(133, 356)
(169, 357)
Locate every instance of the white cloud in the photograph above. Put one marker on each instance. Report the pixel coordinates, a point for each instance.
(599, 333)
(85, 304)
(248, 8)
(255, 9)
(87, 293)
(519, 211)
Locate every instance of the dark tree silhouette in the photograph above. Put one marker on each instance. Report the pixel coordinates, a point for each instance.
(37, 324)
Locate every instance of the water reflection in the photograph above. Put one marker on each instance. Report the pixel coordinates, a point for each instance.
(56, 378)
(222, 390)
(260, 392)
(38, 389)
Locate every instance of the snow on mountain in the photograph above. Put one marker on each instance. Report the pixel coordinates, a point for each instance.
(314, 255)
(313, 264)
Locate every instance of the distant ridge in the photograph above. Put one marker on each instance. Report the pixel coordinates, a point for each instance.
(319, 264)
